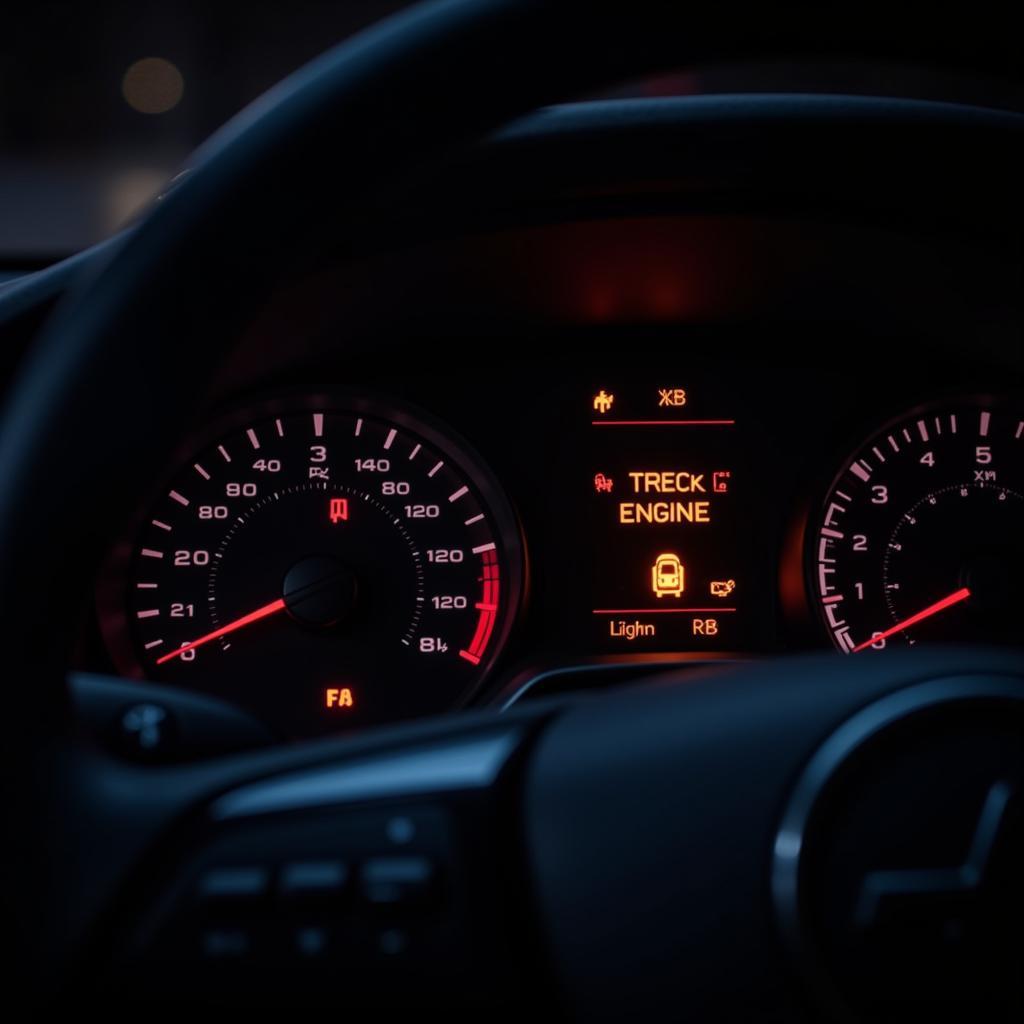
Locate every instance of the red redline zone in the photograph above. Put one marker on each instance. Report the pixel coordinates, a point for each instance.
(487, 606)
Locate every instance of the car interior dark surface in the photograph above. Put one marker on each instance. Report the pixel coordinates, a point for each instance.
(528, 517)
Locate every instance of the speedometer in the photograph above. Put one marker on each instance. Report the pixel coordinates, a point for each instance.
(921, 537)
(327, 566)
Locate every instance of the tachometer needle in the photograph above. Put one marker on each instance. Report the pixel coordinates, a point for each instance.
(926, 613)
(261, 613)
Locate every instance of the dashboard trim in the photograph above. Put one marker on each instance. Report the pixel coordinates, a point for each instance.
(467, 764)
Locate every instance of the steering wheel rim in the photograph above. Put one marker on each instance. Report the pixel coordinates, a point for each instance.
(199, 247)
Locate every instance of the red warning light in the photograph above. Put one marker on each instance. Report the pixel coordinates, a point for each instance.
(339, 510)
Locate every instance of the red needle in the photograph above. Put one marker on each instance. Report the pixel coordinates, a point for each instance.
(926, 613)
(261, 613)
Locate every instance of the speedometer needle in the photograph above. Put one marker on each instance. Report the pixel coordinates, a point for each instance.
(261, 613)
(926, 613)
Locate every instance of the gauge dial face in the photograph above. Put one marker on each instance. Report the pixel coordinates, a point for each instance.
(921, 538)
(326, 568)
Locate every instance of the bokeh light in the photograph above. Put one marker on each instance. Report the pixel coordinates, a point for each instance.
(153, 85)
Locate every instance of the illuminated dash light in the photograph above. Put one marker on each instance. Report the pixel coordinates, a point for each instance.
(667, 482)
(603, 402)
(720, 481)
(632, 513)
(671, 398)
(668, 576)
(253, 439)
(339, 697)
(603, 484)
(620, 629)
(338, 510)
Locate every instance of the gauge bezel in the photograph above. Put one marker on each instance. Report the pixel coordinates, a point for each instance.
(874, 428)
(112, 590)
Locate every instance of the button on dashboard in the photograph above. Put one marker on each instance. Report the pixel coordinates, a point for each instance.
(398, 881)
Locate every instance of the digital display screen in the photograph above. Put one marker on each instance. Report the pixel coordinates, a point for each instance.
(668, 501)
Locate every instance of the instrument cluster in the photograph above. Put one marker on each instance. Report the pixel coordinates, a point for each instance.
(335, 560)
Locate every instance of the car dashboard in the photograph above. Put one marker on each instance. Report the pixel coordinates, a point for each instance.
(514, 510)
(414, 544)
(528, 431)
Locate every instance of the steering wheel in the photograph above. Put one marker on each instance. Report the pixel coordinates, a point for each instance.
(835, 834)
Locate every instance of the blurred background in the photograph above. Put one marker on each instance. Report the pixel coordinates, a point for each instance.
(101, 103)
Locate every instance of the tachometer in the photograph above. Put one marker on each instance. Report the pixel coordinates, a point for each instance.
(329, 566)
(921, 537)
